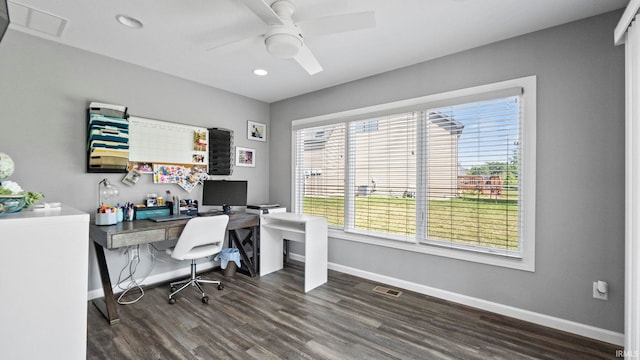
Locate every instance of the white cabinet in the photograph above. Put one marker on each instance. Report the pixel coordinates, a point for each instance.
(312, 230)
(43, 272)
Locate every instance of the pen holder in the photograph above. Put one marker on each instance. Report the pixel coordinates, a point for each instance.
(106, 218)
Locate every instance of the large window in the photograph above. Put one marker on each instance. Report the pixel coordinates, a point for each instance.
(447, 172)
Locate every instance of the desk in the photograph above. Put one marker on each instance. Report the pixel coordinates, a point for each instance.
(146, 231)
(312, 230)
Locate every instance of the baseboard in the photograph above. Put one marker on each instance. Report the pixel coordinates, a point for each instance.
(526, 315)
(156, 278)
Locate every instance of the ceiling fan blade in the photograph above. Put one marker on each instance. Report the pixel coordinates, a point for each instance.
(338, 23)
(264, 11)
(306, 59)
(237, 45)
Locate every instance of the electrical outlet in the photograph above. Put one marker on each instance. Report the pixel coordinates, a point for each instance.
(597, 294)
(133, 253)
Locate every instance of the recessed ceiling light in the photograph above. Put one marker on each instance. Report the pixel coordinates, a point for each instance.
(128, 21)
(260, 72)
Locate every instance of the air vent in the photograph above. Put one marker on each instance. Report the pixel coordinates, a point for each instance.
(387, 291)
(37, 20)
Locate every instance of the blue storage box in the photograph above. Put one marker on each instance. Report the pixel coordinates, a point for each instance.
(147, 212)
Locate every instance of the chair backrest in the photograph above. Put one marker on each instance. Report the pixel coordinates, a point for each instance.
(206, 230)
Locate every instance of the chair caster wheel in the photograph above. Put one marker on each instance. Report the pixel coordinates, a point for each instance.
(172, 301)
(220, 287)
(205, 299)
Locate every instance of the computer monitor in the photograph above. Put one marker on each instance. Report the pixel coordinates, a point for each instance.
(225, 193)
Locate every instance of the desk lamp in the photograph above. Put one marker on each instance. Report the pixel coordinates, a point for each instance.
(106, 190)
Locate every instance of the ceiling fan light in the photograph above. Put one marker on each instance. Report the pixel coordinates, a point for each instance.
(284, 46)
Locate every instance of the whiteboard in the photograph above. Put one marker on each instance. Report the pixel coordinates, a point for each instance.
(164, 142)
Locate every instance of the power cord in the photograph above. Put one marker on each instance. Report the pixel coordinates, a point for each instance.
(132, 265)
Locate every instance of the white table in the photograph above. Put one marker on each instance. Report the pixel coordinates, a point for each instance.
(312, 230)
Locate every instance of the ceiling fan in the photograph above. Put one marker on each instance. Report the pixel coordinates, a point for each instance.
(284, 37)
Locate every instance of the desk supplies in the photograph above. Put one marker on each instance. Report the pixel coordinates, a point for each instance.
(107, 215)
(129, 211)
(176, 205)
(152, 200)
(189, 207)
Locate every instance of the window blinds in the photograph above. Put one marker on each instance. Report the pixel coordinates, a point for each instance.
(447, 176)
(473, 174)
(320, 169)
(382, 155)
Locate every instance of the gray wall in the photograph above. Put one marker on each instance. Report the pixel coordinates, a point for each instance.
(580, 169)
(45, 89)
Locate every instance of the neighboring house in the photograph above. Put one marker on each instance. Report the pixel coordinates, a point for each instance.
(375, 160)
(324, 174)
(442, 156)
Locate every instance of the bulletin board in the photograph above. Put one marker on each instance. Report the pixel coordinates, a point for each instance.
(163, 142)
(174, 153)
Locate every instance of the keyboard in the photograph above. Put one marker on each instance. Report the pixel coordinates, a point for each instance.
(210, 213)
(170, 218)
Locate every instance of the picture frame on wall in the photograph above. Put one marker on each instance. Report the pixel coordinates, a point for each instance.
(256, 131)
(245, 157)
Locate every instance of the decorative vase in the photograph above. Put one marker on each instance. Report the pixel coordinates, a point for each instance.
(11, 203)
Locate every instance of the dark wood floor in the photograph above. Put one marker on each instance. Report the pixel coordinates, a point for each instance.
(272, 318)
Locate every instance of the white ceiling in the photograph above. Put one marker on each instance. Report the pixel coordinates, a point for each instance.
(178, 33)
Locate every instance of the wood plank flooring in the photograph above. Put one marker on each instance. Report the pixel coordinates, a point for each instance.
(272, 318)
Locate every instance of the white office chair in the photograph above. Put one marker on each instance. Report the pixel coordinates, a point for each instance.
(201, 237)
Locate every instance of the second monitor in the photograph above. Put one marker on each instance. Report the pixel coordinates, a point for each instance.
(225, 193)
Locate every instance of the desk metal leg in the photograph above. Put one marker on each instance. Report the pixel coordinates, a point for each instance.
(254, 240)
(251, 263)
(233, 235)
(107, 306)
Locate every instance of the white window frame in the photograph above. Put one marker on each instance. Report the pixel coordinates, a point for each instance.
(528, 155)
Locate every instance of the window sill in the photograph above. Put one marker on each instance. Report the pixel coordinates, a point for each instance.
(523, 264)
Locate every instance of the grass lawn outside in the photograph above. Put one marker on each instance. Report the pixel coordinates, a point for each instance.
(472, 219)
